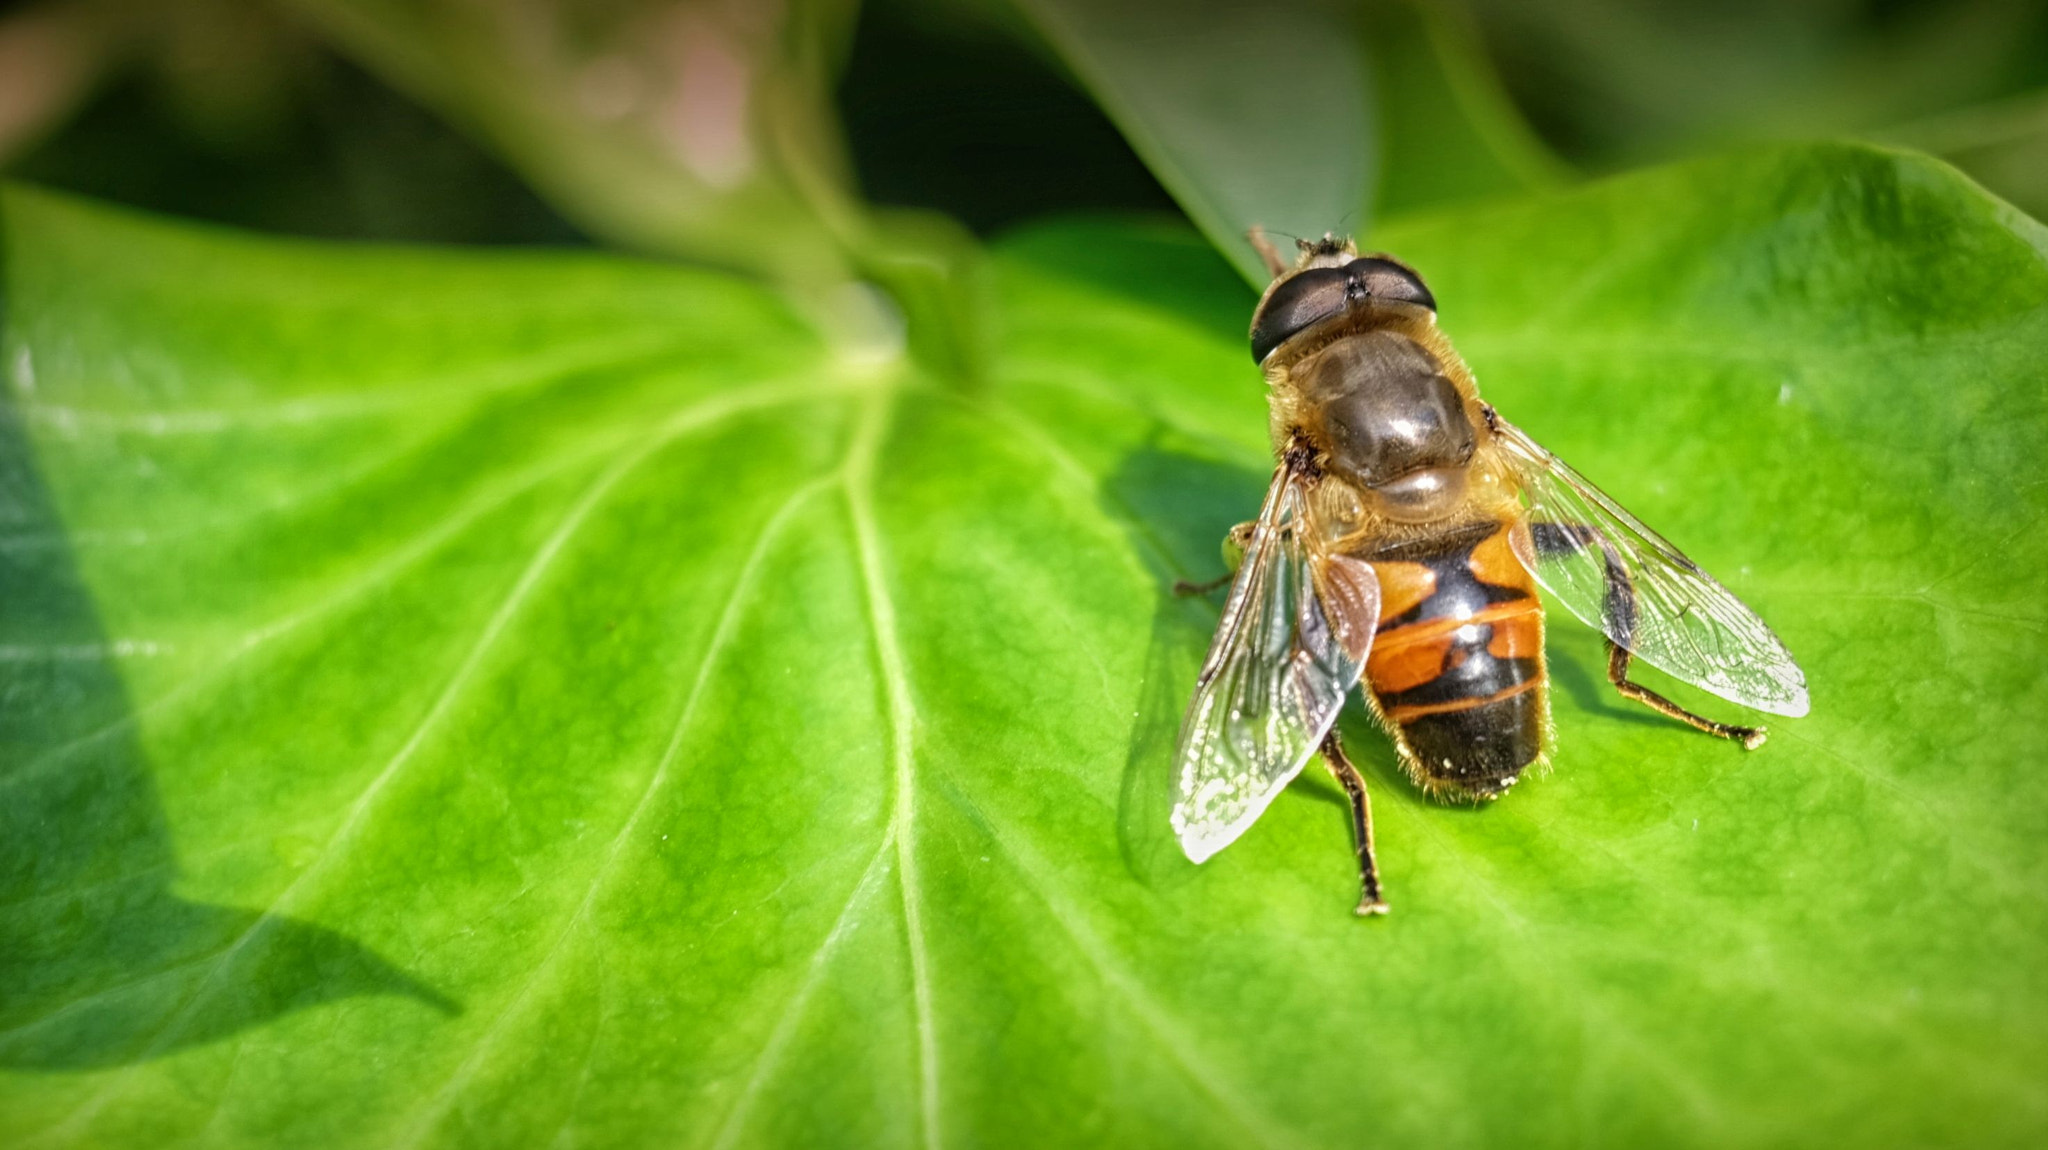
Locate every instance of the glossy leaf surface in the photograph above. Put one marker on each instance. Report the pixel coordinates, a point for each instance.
(484, 699)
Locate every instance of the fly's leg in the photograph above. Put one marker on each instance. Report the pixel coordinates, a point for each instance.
(1370, 900)
(1184, 588)
(1620, 611)
(1240, 537)
(1276, 266)
(1617, 673)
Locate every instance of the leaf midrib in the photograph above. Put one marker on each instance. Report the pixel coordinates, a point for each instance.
(859, 487)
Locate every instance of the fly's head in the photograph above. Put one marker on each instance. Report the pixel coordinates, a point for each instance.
(1331, 282)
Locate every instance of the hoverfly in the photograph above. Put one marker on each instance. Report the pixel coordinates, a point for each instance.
(1401, 542)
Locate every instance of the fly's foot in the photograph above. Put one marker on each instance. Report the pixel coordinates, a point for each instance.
(1234, 544)
(1751, 737)
(1371, 905)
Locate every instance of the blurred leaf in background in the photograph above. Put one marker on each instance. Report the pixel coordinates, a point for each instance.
(700, 128)
(1300, 118)
(957, 108)
(1613, 82)
(1249, 114)
(235, 113)
(1448, 132)
(971, 108)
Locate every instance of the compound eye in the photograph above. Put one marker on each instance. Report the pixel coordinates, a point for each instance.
(1383, 279)
(1307, 299)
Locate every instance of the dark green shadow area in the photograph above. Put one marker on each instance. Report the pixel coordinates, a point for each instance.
(100, 963)
(1181, 504)
(1154, 260)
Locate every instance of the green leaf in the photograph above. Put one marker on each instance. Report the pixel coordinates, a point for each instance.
(539, 699)
(1447, 130)
(1614, 87)
(1247, 114)
(1302, 117)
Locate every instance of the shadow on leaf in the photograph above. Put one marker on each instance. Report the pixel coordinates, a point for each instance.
(1177, 508)
(1592, 693)
(100, 963)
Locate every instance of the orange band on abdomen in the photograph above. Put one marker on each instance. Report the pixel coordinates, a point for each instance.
(1409, 714)
(1407, 657)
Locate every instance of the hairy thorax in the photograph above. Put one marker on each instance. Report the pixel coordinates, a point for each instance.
(1395, 425)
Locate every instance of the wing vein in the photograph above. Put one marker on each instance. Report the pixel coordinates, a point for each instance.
(1646, 596)
(1276, 675)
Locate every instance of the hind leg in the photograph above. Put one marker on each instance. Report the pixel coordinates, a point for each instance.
(1620, 613)
(1617, 673)
(1370, 900)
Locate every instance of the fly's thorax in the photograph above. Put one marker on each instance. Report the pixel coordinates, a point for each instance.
(1389, 419)
(1350, 520)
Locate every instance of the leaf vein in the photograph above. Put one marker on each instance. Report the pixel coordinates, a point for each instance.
(743, 586)
(403, 557)
(1172, 1039)
(357, 812)
(881, 606)
(793, 1011)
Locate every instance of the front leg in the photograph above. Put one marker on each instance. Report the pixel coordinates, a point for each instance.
(1234, 543)
(1275, 266)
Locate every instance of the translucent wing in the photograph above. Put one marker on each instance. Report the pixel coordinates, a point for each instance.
(1643, 593)
(1291, 643)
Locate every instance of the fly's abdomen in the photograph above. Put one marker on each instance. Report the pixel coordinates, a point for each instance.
(1457, 665)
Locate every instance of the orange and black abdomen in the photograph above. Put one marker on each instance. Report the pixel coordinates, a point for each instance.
(1457, 664)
